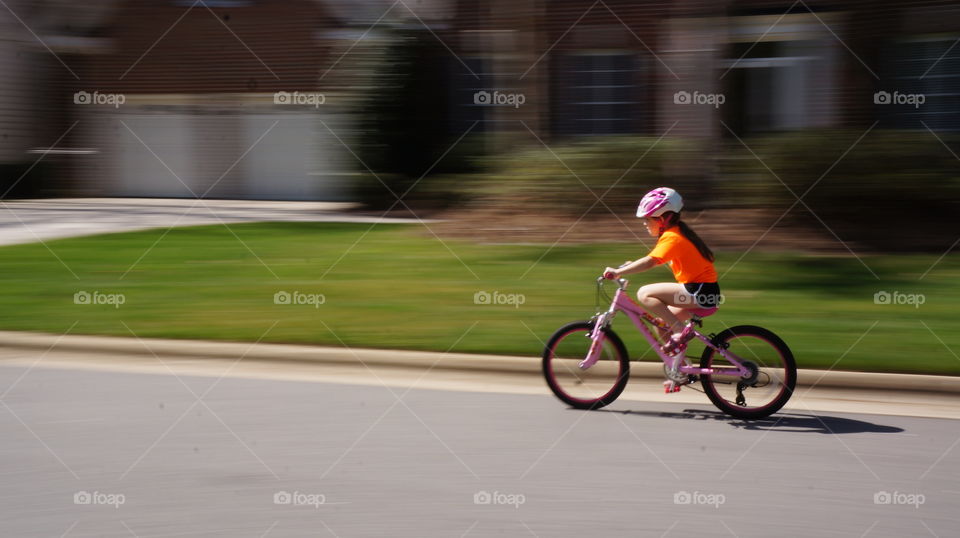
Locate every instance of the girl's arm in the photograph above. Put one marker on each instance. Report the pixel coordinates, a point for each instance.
(637, 266)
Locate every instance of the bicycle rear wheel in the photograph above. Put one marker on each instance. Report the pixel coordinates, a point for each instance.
(773, 372)
(595, 387)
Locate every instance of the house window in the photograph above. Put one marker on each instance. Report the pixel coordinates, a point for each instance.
(596, 93)
(776, 86)
(921, 68)
(781, 72)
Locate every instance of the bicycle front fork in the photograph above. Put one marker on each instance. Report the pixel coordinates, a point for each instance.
(596, 346)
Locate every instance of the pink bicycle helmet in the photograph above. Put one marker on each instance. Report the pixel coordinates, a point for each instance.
(659, 201)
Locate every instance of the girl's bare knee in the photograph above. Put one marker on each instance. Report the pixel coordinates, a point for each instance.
(648, 301)
(643, 293)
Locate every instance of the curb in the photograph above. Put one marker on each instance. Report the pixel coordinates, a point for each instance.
(514, 365)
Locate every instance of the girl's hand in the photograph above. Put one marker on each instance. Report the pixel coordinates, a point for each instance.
(611, 274)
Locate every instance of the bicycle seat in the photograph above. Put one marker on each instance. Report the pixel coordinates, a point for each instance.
(704, 312)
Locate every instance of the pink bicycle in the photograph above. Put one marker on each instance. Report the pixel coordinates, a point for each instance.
(746, 371)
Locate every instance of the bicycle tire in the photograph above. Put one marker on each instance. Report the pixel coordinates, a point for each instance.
(549, 372)
(789, 366)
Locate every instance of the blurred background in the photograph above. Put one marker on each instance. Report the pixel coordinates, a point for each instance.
(496, 105)
(452, 176)
(825, 129)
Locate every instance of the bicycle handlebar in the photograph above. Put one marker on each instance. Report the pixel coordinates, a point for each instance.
(608, 276)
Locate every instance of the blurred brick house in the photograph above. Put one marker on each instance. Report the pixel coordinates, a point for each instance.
(177, 98)
(617, 66)
(199, 115)
(199, 81)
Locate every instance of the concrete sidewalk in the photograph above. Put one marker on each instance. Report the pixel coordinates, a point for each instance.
(843, 392)
(422, 360)
(29, 221)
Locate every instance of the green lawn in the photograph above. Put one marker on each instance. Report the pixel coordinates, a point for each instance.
(398, 287)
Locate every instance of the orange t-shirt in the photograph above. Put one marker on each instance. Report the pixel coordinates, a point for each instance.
(686, 262)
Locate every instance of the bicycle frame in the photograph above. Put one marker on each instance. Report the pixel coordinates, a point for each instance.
(623, 303)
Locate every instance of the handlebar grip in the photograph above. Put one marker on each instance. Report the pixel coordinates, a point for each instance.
(609, 275)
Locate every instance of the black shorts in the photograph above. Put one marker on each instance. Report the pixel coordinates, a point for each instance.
(706, 294)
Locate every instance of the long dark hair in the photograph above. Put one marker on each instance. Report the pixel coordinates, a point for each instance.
(672, 218)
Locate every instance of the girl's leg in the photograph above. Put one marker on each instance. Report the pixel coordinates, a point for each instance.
(682, 313)
(666, 300)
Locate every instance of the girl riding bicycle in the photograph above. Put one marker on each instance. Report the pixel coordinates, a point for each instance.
(688, 257)
(747, 371)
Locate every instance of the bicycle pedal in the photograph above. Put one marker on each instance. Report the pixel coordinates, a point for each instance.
(670, 387)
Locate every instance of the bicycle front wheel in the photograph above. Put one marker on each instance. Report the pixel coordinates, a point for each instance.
(772, 378)
(595, 387)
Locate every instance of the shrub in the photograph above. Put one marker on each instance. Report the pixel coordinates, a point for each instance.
(559, 180)
(894, 190)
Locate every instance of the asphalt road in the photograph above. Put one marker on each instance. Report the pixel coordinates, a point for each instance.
(105, 453)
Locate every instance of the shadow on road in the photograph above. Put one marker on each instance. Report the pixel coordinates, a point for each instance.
(780, 422)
